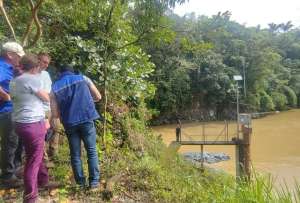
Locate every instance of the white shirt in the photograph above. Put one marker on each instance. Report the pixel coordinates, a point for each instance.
(46, 85)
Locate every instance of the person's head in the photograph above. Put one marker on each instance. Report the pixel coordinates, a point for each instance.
(12, 52)
(44, 60)
(30, 63)
(65, 67)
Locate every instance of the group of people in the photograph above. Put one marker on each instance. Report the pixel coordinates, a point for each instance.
(30, 105)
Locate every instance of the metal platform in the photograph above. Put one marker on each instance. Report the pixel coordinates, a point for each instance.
(206, 142)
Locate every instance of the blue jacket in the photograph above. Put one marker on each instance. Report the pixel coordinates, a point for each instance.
(6, 75)
(74, 99)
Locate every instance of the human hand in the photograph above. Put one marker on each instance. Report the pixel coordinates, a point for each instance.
(6, 97)
(47, 124)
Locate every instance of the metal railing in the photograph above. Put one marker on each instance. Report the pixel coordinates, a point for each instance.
(221, 135)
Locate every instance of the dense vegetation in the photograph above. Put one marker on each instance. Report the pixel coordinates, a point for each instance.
(148, 62)
(194, 71)
(142, 52)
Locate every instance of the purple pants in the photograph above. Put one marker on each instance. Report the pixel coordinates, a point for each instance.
(35, 172)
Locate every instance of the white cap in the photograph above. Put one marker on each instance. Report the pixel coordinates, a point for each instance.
(13, 47)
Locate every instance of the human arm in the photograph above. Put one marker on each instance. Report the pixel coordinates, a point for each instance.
(5, 79)
(43, 95)
(55, 114)
(93, 89)
(95, 92)
(35, 86)
(4, 96)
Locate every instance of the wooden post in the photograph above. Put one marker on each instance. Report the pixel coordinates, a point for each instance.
(237, 159)
(247, 131)
(243, 157)
(202, 158)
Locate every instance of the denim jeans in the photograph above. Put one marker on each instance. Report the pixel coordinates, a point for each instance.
(11, 149)
(85, 132)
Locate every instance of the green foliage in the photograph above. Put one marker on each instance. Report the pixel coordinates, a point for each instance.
(211, 52)
(133, 48)
(266, 103)
(279, 100)
(291, 96)
(253, 101)
(294, 50)
(212, 79)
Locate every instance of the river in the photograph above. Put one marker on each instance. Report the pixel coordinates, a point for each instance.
(275, 144)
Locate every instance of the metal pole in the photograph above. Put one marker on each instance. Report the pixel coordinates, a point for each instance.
(227, 130)
(203, 131)
(237, 109)
(244, 77)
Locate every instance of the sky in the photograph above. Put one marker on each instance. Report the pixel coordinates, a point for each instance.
(248, 12)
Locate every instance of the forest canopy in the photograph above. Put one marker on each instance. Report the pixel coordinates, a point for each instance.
(142, 54)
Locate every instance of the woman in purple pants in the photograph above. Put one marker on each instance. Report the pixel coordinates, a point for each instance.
(28, 115)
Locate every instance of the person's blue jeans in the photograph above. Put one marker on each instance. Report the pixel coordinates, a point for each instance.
(85, 132)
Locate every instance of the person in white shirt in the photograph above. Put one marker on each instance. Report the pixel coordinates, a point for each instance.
(44, 61)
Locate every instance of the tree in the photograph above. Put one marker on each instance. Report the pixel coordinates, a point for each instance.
(287, 26)
(273, 28)
(34, 19)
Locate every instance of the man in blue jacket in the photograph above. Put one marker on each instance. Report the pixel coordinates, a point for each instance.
(11, 54)
(72, 100)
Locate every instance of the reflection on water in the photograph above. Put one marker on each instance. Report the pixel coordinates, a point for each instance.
(275, 146)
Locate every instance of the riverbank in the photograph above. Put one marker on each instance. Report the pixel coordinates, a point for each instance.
(274, 147)
(204, 116)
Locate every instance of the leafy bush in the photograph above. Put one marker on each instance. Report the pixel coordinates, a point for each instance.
(254, 101)
(291, 96)
(266, 103)
(279, 100)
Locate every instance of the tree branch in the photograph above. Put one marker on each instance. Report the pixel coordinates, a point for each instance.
(140, 37)
(106, 55)
(109, 17)
(35, 19)
(7, 20)
(27, 32)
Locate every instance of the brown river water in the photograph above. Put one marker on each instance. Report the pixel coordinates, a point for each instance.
(275, 144)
